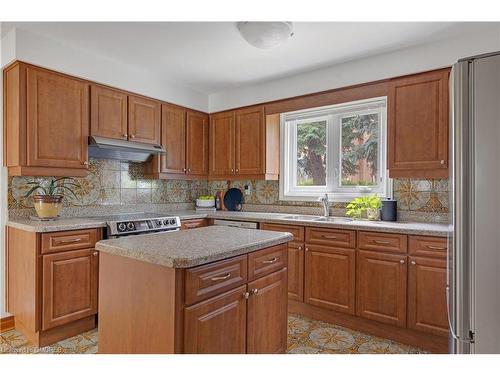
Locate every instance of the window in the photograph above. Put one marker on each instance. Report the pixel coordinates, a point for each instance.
(339, 150)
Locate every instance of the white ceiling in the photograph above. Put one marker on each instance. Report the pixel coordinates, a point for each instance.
(211, 57)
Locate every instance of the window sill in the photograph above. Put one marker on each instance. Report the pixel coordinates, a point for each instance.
(332, 197)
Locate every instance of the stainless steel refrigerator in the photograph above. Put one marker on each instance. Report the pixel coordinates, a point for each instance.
(473, 290)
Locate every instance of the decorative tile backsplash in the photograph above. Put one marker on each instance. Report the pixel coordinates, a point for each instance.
(111, 183)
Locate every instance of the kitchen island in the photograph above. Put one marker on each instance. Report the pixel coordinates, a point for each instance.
(207, 290)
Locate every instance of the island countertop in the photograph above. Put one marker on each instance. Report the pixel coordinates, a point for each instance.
(189, 248)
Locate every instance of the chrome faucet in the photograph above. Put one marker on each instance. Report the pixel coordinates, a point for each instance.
(326, 205)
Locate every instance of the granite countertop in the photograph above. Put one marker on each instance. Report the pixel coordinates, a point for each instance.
(431, 229)
(183, 249)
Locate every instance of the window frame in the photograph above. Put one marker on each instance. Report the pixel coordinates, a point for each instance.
(333, 114)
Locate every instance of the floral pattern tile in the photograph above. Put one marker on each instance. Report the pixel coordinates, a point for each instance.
(305, 336)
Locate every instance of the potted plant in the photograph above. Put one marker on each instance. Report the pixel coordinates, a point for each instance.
(48, 199)
(366, 205)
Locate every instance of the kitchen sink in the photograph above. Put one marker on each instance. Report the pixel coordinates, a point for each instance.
(302, 217)
(332, 219)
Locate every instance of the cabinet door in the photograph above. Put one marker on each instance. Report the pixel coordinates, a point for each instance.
(197, 144)
(330, 277)
(418, 125)
(381, 287)
(296, 271)
(217, 325)
(427, 296)
(173, 138)
(108, 112)
(69, 286)
(144, 120)
(267, 314)
(222, 144)
(57, 120)
(250, 152)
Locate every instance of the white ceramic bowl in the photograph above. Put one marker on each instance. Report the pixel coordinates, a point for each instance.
(205, 203)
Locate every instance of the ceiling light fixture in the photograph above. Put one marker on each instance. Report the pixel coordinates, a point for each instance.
(265, 34)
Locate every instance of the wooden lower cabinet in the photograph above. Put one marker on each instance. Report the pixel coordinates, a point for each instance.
(296, 271)
(217, 325)
(52, 290)
(267, 314)
(427, 296)
(69, 286)
(381, 287)
(330, 277)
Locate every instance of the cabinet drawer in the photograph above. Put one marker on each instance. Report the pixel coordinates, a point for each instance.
(210, 279)
(70, 240)
(268, 260)
(435, 247)
(296, 231)
(388, 242)
(194, 223)
(331, 237)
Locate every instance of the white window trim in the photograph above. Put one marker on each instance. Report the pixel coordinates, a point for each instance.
(288, 152)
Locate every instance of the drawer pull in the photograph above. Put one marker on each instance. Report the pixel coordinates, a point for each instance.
(413, 262)
(70, 241)
(255, 291)
(246, 295)
(95, 253)
(218, 278)
(402, 261)
(270, 260)
(435, 247)
(329, 237)
(380, 242)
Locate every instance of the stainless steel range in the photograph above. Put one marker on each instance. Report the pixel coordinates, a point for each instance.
(142, 223)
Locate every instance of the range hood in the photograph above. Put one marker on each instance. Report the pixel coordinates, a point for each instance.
(108, 148)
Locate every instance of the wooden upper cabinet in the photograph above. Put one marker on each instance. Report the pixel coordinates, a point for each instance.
(418, 111)
(46, 122)
(267, 314)
(108, 113)
(250, 138)
(330, 277)
(69, 286)
(144, 119)
(222, 144)
(244, 144)
(197, 143)
(427, 308)
(381, 287)
(173, 138)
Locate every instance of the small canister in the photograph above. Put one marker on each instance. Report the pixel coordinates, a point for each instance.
(389, 210)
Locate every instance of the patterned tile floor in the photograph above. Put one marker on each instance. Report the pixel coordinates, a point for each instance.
(305, 336)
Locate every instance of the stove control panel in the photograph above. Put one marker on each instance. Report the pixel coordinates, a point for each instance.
(138, 226)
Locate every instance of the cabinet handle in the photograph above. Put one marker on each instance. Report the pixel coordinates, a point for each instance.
(300, 247)
(380, 242)
(443, 162)
(237, 170)
(402, 261)
(95, 253)
(246, 295)
(307, 249)
(189, 169)
(125, 135)
(132, 136)
(232, 170)
(270, 260)
(413, 262)
(184, 169)
(255, 291)
(218, 278)
(85, 162)
(435, 247)
(70, 241)
(329, 237)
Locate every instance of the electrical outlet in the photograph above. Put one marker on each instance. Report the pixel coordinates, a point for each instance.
(248, 190)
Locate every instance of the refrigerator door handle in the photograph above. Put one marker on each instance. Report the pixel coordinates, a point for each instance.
(452, 329)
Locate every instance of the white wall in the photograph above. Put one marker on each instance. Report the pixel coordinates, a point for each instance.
(49, 53)
(405, 61)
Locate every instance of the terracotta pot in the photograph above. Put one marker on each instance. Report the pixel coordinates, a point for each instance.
(48, 206)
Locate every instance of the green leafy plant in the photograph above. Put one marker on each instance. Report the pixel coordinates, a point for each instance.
(56, 187)
(358, 206)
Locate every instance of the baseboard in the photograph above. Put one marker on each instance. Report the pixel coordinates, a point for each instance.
(432, 343)
(7, 323)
